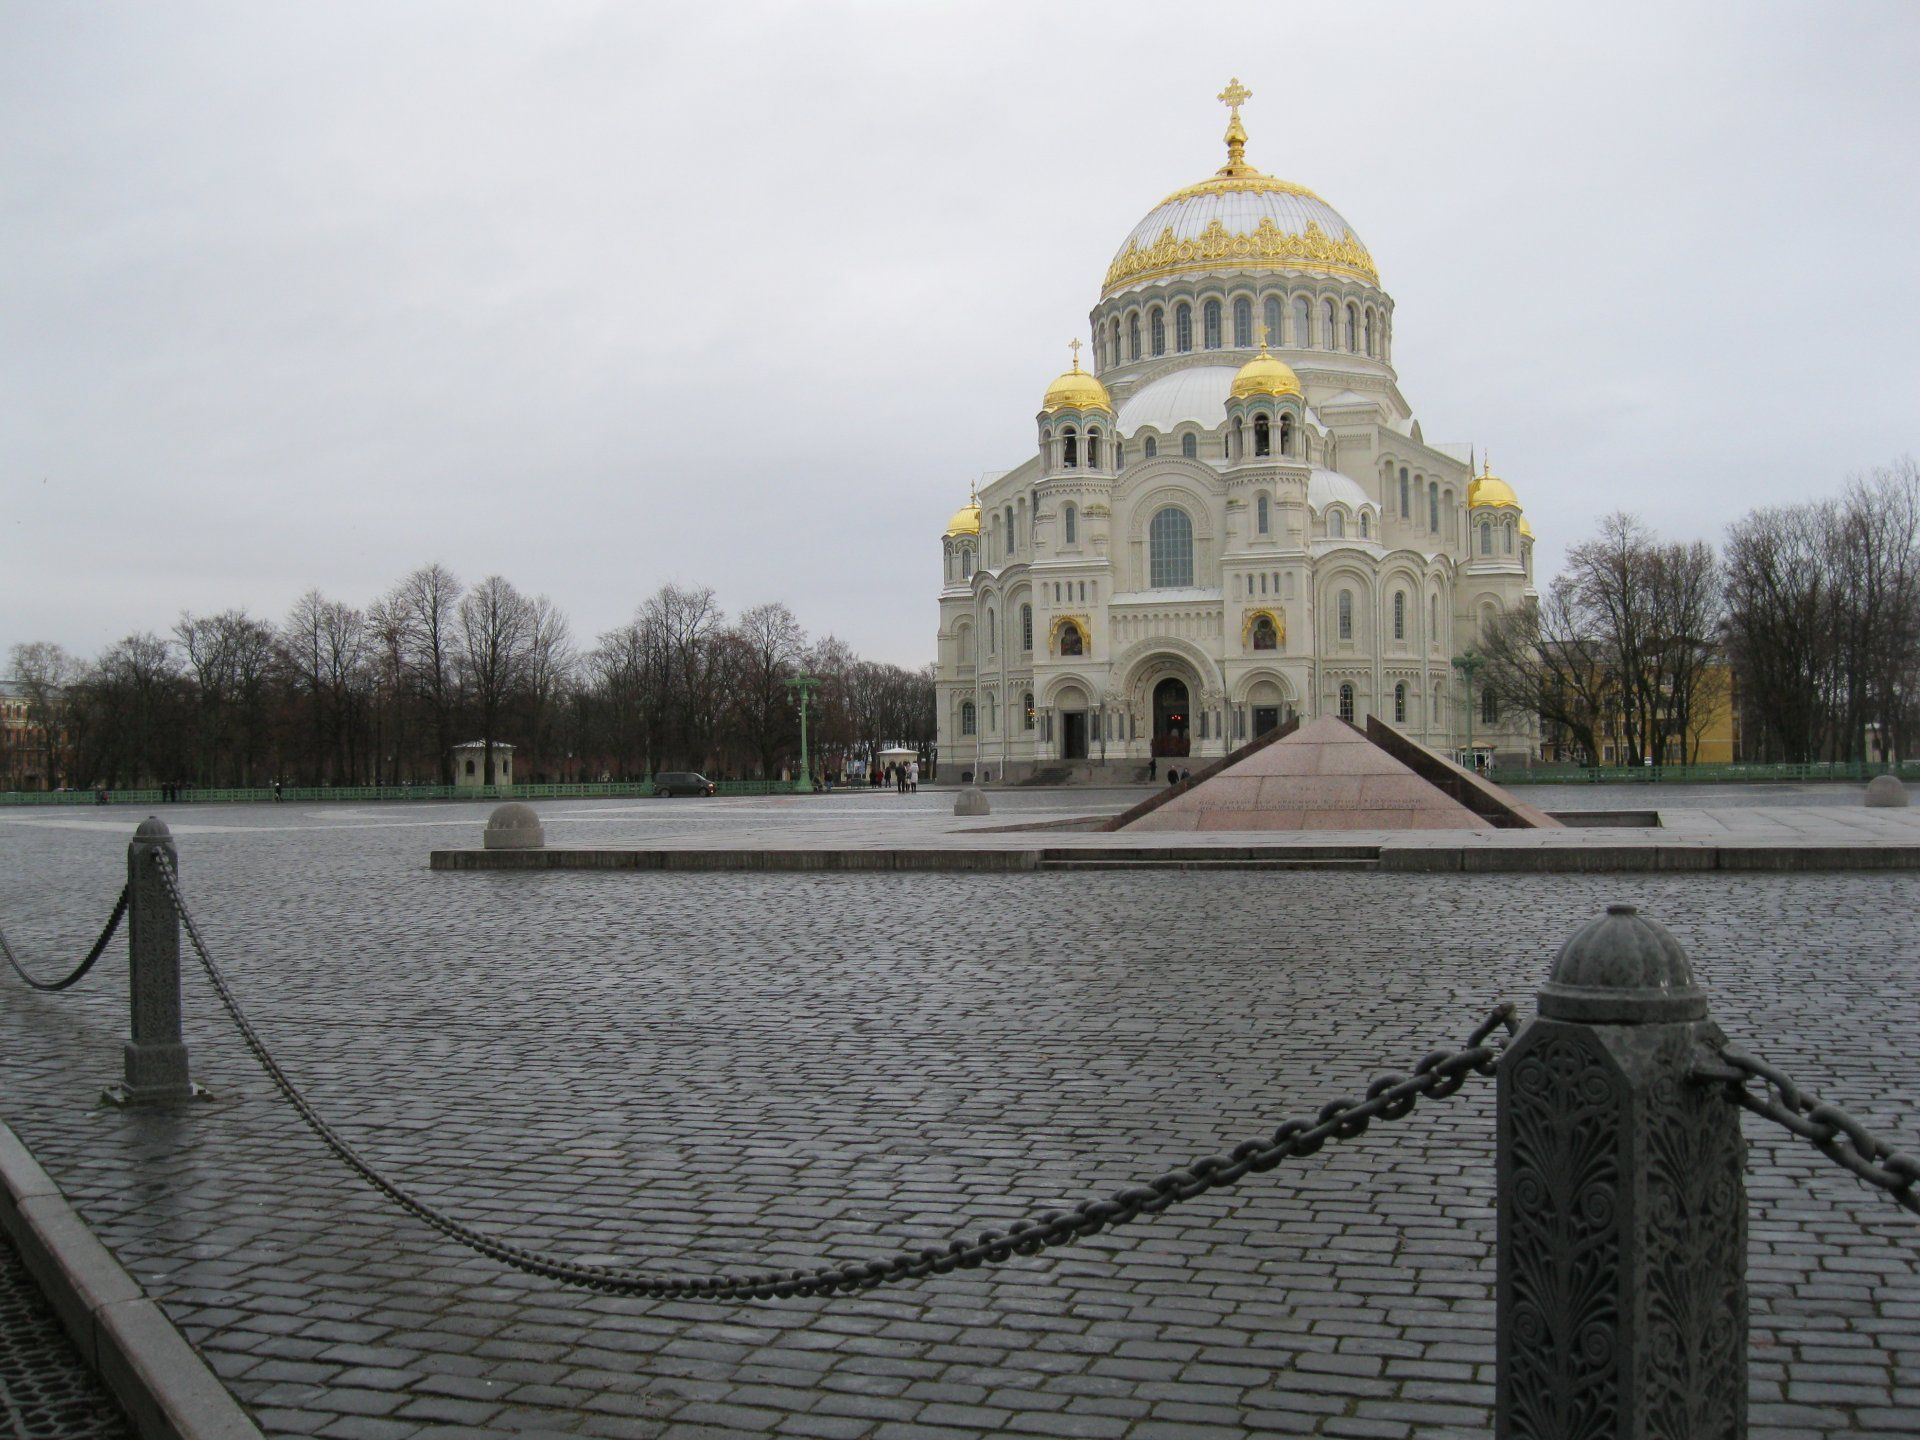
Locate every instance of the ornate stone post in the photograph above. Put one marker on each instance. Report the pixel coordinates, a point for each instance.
(156, 1056)
(1623, 1228)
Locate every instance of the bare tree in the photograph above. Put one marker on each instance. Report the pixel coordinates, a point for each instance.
(426, 603)
(768, 643)
(550, 665)
(1546, 659)
(44, 670)
(496, 633)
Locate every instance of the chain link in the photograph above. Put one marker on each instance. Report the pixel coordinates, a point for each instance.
(99, 949)
(1831, 1130)
(1389, 1097)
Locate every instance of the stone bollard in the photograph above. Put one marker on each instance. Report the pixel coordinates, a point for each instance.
(513, 826)
(1886, 792)
(972, 801)
(1622, 1200)
(156, 1056)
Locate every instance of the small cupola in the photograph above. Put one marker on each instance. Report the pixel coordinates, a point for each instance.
(1077, 390)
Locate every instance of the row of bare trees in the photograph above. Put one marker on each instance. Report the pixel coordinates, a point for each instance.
(1809, 622)
(336, 694)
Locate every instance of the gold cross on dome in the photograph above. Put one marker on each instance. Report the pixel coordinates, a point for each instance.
(1074, 345)
(1234, 96)
(1263, 334)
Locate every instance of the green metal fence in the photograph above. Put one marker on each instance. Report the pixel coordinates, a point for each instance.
(307, 794)
(1699, 774)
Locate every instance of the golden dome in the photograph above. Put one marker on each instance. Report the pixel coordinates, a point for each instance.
(966, 520)
(1264, 375)
(1489, 489)
(1076, 390)
(1526, 529)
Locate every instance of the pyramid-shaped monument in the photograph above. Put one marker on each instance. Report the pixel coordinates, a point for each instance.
(1329, 775)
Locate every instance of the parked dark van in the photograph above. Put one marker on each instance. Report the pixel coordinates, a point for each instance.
(669, 783)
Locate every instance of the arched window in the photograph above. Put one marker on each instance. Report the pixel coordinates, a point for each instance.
(1302, 322)
(1151, 447)
(1336, 525)
(1509, 540)
(1353, 327)
(1261, 512)
(993, 540)
(1433, 619)
(1399, 614)
(1433, 506)
(1069, 448)
(1369, 330)
(1242, 323)
(1013, 533)
(1070, 524)
(1262, 438)
(1400, 703)
(993, 638)
(1133, 336)
(1027, 706)
(1190, 445)
(1329, 326)
(1346, 703)
(1071, 640)
(1286, 435)
(1237, 444)
(1273, 321)
(1486, 537)
(1157, 328)
(1113, 342)
(1265, 636)
(1170, 549)
(1119, 455)
(1026, 628)
(966, 564)
(1366, 526)
(1406, 506)
(1489, 708)
(966, 717)
(1343, 607)
(993, 711)
(1210, 324)
(1183, 327)
(1093, 449)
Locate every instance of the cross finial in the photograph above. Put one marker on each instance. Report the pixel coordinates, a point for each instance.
(1233, 97)
(1263, 337)
(1074, 345)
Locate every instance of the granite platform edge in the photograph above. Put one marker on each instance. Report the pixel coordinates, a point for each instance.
(1588, 858)
(145, 1363)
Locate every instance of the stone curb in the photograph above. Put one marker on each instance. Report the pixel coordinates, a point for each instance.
(144, 1362)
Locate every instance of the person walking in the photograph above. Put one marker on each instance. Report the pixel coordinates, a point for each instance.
(1153, 767)
(913, 777)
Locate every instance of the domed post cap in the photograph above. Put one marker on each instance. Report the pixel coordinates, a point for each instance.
(514, 826)
(1622, 969)
(153, 830)
(1886, 792)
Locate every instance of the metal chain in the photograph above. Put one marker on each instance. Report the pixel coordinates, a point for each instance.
(99, 949)
(1388, 1098)
(1831, 1130)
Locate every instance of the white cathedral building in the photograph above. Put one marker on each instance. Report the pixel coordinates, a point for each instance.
(1230, 518)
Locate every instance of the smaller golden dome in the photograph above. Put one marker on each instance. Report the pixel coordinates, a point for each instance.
(1488, 489)
(1264, 375)
(1526, 529)
(1076, 389)
(966, 520)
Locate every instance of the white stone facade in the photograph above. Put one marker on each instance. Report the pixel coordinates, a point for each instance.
(1193, 552)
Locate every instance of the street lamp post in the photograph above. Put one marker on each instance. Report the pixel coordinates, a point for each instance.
(803, 686)
(1470, 665)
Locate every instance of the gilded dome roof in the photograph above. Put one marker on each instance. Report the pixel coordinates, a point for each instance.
(966, 520)
(1239, 219)
(1526, 529)
(1489, 489)
(1076, 390)
(1264, 375)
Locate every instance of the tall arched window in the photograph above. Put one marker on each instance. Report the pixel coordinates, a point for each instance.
(1150, 447)
(1406, 506)
(1119, 454)
(1273, 321)
(1353, 327)
(1242, 323)
(966, 564)
(1433, 506)
(1433, 619)
(1265, 636)
(1343, 608)
(1262, 435)
(1400, 703)
(1069, 448)
(1190, 445)
(1026, 627)
(1399, 614)
(1346, 703)
(1329, 326)
(1261, 512)
(993, 636)
(1133, 336)
(1302, 322)
(993, 541)
(1509, 539)
(1486, 537)
(1170, 549)
(1027, 707)
(1013, 533)
(993, 711)
(1157, 328)
(1366, 526)
(1113, 342)
(1183, 327)
(1336, 525)
(1286, 435)
(1070, 524)
(1210, 324)
(1093, 449)
(1237, 444)
(1369, 331)
(966, 717)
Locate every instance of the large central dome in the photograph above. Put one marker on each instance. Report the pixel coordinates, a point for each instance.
(1239, 219)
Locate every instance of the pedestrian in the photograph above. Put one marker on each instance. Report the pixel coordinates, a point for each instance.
(913, 777)
(1153, 767)
(276, 790)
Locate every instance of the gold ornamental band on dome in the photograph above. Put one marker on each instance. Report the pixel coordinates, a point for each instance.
(1215, 246)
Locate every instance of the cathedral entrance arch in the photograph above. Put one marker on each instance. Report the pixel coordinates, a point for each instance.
(1172, 716)
(1071, 704)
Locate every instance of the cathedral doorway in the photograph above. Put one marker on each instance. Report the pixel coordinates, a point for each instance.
(1170, 717)
(1073, 735)
(1265, 718)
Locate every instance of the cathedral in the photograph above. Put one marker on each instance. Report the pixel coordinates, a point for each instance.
(1230, 516)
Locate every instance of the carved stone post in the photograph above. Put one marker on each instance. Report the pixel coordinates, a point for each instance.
(156, 1056)
(1623, 1217)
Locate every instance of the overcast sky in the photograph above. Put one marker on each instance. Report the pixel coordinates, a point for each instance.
(598, 296)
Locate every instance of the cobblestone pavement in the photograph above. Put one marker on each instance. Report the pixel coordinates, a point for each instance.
(46, 1390)
(704, 1070)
